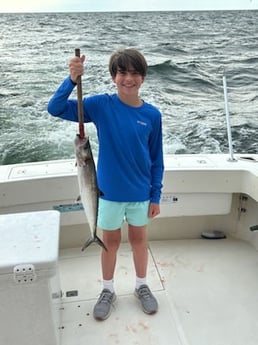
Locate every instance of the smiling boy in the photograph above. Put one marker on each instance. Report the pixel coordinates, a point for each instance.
(129, 169)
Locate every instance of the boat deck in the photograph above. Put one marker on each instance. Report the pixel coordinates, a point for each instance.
(206, 289)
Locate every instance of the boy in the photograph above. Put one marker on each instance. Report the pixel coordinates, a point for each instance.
(129, 168)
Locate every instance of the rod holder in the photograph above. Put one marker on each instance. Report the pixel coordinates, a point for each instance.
(231, 158)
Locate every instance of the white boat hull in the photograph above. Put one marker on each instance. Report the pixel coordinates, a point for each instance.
(207, 289)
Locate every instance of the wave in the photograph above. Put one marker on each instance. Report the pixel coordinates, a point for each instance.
(185, 76)
(162, 66)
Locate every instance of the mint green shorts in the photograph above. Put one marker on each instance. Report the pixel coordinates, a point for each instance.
(112, 214)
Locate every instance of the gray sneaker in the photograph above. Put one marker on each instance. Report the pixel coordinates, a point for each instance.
(148, 301)
(102, 308)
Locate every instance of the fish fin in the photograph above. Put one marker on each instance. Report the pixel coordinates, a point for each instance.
(91, 240)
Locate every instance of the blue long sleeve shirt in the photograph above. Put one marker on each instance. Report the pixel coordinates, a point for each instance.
(130, 160)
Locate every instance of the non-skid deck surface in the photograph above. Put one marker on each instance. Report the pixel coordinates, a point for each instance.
(207, 292)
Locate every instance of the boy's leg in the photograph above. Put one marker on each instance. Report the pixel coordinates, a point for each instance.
(112, 241)
(138, 239)
(137, 236)
(110, 220)
(102, 308)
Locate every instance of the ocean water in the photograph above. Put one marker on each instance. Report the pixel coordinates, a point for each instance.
(187, 54)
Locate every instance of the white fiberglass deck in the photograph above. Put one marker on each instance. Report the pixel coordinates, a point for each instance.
(207, 292)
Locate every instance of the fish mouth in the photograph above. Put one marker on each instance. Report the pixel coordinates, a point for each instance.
(81, 142)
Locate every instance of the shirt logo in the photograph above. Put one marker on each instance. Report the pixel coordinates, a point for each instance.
(141, 123)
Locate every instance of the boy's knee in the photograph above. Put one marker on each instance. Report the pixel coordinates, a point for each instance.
(112, 240)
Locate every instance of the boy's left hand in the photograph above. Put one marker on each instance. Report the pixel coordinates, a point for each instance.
(154, 210)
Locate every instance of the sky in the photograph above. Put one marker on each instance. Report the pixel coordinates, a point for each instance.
(118, 5)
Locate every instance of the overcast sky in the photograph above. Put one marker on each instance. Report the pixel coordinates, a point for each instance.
(118, 5)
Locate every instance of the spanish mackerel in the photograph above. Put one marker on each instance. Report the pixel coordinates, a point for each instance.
(89, 191)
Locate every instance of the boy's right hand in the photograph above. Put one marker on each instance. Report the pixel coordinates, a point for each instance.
(76, 67)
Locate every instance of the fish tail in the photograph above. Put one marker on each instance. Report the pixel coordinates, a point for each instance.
(100, 243)
(94, 239)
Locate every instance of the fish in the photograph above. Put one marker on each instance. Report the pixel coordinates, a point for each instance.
(88, 186)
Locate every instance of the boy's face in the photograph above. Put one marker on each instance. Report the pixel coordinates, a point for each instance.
(128, 81)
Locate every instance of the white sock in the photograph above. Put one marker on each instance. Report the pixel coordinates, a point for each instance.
(108, 284)
(140, 281)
